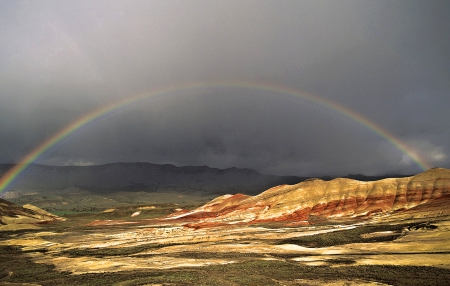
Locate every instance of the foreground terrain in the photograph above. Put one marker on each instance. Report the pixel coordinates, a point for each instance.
(402, 238)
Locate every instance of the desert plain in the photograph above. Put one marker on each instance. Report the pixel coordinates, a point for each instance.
(339, 232)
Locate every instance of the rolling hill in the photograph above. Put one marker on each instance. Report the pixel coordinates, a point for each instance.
(14, 217)
(425, 195)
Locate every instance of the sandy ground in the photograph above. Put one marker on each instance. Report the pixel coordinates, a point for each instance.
(418, 247)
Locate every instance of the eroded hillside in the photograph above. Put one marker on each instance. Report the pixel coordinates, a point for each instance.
(339, 232)
(13, 217)
(340, 198)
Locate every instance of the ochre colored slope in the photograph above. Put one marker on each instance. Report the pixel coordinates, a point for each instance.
(219, 206)
(315, 198)
(13, 217)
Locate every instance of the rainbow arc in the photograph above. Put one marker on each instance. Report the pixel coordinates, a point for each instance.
(277, 89)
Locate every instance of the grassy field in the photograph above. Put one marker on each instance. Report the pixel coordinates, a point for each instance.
(82, 201)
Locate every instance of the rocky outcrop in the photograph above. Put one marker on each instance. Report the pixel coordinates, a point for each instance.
(13, 217)
(317, 199)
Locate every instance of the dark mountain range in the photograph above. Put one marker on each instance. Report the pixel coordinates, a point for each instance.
(150, 177)
(146, 177)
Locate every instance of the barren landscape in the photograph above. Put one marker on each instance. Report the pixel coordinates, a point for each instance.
(224, 142)
(338, 232)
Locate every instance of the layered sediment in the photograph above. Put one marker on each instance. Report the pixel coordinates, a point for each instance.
(14, 217)
(317, 199)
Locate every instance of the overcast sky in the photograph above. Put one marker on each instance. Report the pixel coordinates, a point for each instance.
(388, 61)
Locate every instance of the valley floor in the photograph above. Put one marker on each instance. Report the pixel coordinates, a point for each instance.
(156, 252)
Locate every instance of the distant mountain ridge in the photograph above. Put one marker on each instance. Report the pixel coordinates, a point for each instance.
(146, 177)
(151, 177)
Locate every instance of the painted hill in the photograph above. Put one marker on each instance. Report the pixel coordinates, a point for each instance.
(14, 217)
(426, 194)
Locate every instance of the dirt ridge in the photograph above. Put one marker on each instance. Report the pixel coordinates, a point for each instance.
(319, 199)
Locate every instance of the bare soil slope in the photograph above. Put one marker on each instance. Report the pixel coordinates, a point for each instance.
(339, 232)
(13, 217)
(341, 198)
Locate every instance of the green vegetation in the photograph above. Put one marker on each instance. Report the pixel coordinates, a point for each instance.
(125, 212)
(101, 252)
(9, 249)
(68, 213)
(74, 223)
(15, 267)
(354, 235)
(77, 221)
(217, 255)
(75, 200)
(19, 268)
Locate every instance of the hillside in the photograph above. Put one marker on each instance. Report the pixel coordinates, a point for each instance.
(13, 217)
(394, 231)
(338, 199)
(93, 188)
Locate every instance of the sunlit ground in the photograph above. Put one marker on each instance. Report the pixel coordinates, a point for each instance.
(346, 254)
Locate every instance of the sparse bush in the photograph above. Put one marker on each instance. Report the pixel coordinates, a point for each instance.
(347, 236)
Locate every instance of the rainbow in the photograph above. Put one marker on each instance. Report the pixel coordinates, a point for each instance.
(98, 113)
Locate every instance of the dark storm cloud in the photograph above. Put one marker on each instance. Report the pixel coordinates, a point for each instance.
(386, 60)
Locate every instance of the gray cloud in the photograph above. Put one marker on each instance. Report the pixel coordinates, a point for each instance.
(387, 61)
